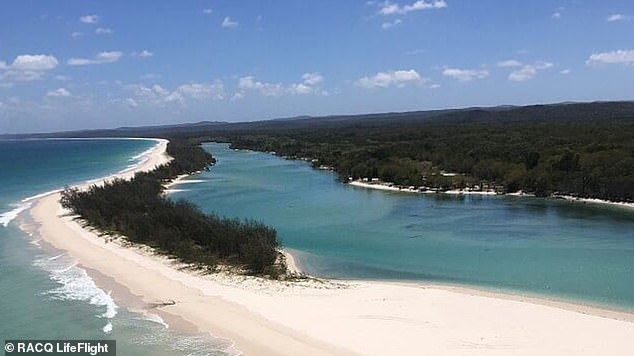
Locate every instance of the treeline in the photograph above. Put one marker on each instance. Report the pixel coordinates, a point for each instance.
(138, 210)
(584, 158)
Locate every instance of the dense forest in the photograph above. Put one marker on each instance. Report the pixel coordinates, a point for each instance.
(138, 210)
(584, 159)
(584, 156)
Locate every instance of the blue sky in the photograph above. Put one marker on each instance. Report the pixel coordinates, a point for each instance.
(71, 64)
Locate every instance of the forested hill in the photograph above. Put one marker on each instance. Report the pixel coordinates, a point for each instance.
(532, 113)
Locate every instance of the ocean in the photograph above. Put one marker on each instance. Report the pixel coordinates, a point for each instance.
(44, 293)
(541, 247)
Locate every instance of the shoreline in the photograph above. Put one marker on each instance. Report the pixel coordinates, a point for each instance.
(579, 306)
(315, 317)
(593, 201)
(569, 198)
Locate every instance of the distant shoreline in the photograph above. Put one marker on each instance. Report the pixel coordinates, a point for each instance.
(388, 187)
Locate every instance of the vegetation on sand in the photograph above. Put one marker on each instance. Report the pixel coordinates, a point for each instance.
(138, 210)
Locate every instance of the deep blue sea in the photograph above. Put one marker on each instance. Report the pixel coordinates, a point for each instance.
(43, 293)
(543, 247)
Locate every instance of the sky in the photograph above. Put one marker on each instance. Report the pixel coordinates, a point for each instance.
(83, 64)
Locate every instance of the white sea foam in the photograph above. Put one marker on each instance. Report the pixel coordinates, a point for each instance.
(75, 284)
(6, 217)
(143, 154)
(190, 181)
(108, 328)
(37, 196)
(200, 345)
(155, 319)
(141, 158)
(169, 191)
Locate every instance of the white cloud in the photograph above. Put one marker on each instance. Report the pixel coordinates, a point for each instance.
(300, 89)
(619, 56)
(399, 78)
(143, 54)
(27, 67)
(101, 58)
(37, 62)
(58, 93)
(388, 25)
(523, 74)
(312, 78)
(174, 97)
(104, 31)
(156, 95)
(509, 63)
(528, 71)
(309, 85)
(62, 78)
(558, 13)
(522, 71)
(215, 91)
(248, 82)
(565, 71)
(465, 75)
(618, 17)
(131, 103)
(76, 34)
(228, 23)
(390, 8)
(266, 89)
(90, 19)
(108, 57)
(207, 11)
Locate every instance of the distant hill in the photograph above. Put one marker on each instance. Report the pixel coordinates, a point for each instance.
(533, 113)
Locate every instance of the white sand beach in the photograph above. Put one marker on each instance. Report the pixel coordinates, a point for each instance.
(393, 188)
(389, 187)
(322, 317)
(595, 201)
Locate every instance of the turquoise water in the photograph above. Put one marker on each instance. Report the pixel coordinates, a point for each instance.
(537, 246)
(44, 294)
